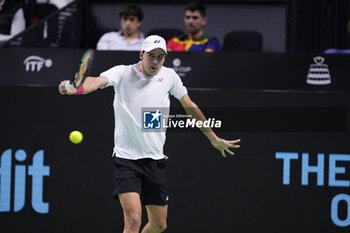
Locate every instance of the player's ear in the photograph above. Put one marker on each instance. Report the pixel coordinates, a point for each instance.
(141, 54)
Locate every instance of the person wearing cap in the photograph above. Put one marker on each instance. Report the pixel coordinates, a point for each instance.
(138, 156)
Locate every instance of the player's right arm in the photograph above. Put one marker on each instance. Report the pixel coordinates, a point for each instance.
(90, 84)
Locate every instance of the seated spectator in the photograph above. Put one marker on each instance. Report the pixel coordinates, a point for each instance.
(195, 40)
(12, 19)
(129, 37)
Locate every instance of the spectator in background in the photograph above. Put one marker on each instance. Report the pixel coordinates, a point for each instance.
(195, 40)
(12, 19)
(129, 37)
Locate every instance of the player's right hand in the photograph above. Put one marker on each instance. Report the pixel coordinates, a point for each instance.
(63, 90)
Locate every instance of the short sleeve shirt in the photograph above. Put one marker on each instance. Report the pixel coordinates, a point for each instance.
(183, 43)
(133, 92)
(116, 41)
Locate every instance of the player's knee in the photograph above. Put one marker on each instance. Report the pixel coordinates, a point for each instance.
(160, 227)
(133, 219)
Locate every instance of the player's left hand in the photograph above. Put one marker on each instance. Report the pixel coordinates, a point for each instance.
(224, 145)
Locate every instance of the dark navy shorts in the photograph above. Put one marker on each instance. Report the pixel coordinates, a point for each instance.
(143, 176)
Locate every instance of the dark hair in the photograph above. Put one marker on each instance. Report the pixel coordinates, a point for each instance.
(196, 6)
(131, 10)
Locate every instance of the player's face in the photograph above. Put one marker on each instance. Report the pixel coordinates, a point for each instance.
(152, 61)
(130, 25)
(194, 21)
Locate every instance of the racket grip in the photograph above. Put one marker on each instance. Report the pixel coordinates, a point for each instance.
(68, 85)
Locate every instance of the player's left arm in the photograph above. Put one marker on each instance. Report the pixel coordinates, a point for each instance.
(221, 144)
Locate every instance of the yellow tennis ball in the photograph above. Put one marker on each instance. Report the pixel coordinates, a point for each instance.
(76, 137)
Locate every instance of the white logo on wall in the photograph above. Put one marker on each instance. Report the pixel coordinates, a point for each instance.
(180, 70)
(36, 63)
(318, 73)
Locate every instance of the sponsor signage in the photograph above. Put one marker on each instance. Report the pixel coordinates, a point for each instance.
(43, 67)
(14, 177)
(35, 63)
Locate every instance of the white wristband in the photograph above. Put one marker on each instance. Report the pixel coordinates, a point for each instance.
(68, 85)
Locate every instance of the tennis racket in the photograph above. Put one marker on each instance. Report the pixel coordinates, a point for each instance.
(84, 68)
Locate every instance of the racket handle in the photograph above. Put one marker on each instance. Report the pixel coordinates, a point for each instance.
(68, 85)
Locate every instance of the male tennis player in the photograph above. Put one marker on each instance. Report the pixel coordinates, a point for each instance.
(138, 156)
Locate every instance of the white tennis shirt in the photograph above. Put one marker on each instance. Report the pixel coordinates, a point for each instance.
(134, 91)
(116, 41)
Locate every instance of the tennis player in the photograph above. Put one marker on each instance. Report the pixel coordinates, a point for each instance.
(138, 156)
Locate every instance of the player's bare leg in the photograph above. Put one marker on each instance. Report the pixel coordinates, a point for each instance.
(157, 216)
(131, 204)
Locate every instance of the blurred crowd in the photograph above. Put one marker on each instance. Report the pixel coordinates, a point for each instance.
(17, 15)
(130, 38)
